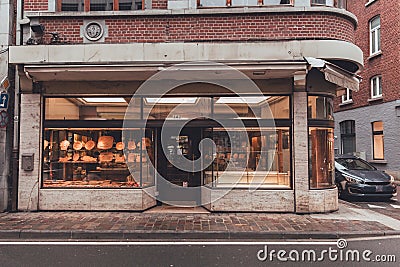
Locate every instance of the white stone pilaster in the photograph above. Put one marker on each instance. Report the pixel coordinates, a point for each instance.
(300, 152)
(30, 142)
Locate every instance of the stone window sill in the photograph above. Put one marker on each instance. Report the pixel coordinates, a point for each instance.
(378, 161)
(370, 2)
(374, 55)
(346, 103)
(375, 99)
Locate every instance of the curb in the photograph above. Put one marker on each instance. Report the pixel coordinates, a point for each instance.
(172, 235)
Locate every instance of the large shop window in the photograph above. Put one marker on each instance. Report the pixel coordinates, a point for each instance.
(257, 158)
(83, 144)
(348, 136)
(377, 140)
(321, 142)
(81, 155)
(90, 157)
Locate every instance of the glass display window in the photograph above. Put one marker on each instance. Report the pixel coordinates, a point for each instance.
(250, 158)
(320, 107)
(92, 108)
(321, 157)
(176, 108)
(252, 107)
(82, 157)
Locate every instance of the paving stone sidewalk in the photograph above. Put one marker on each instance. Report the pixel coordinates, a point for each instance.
(132, 225)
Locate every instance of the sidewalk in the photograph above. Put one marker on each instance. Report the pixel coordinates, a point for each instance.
(156, 226)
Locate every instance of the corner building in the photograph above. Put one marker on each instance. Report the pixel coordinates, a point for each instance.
(81, 62)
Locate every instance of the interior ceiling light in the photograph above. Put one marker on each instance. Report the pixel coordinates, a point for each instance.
(242, 100)
(104, 100)
(171, 100)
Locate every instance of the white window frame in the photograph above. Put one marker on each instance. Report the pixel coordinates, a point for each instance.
(346, 97)
(376, 92)
(374, 32)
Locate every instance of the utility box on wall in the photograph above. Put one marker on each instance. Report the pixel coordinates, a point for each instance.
(27, 162)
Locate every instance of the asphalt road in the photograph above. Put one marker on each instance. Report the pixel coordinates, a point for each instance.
(389, 208)
(205, 253)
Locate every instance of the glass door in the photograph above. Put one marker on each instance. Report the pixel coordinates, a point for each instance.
(180, 179)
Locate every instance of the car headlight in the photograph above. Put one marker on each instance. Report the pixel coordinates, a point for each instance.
(391, 179)
(352, 179)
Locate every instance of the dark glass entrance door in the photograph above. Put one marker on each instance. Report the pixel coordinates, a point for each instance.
(179, 181)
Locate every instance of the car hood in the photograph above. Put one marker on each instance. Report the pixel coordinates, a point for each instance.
(368, 176)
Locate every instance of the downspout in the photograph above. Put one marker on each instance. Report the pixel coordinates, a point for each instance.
(15, 149)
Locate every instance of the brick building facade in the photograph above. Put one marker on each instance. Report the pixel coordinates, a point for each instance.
(366, 107)
(91, 72)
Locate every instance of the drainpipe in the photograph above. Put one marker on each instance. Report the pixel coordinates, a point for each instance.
(15, 149)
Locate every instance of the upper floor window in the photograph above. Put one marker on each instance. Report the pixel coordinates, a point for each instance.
(375, 35)
(238, 3)
(376, 86)
(99, 5)
(323, 2)
(347, 97)
(377, 140)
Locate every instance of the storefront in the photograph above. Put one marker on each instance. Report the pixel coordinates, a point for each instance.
(271, 150)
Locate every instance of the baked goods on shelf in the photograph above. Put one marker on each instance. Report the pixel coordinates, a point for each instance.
(90, 145)
(88, 159)
(105, 142)
(64, 145)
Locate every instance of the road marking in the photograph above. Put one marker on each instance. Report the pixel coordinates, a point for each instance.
(395, 206)
(375, 206)
(162, 243)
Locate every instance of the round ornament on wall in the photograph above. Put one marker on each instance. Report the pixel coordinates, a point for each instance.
(94, 31)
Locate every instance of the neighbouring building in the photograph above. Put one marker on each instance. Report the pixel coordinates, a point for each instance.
(368, 121)
(81, 62)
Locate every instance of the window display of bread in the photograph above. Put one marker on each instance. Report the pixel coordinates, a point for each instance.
(64, 145)
(119, 146)
(93, 158)
(105, 142)
(88, 159)
(132, 145)
(76, 157)
(64, 159)
(119, 158)
(77, 145)
(106, 156)
(132, 157)
(90, 145)
(77, 184)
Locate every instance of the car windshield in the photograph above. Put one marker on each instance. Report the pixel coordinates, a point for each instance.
(355, 164)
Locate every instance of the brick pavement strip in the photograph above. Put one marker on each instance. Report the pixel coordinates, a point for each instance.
(135, 225)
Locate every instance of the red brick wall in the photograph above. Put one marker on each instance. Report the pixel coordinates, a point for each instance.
(36, 5)
(159, 4)
(386, 64)
(250, 27)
